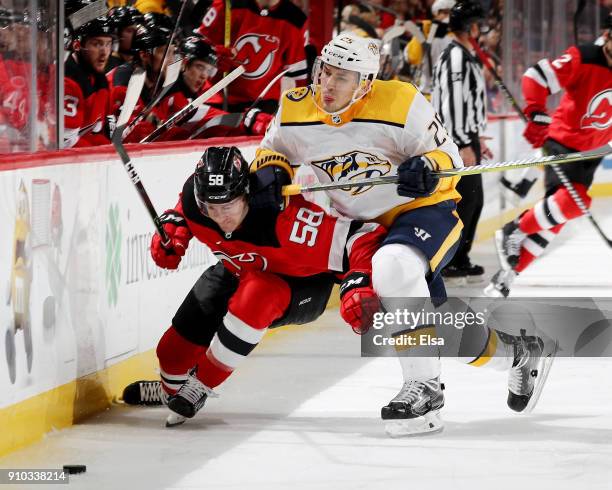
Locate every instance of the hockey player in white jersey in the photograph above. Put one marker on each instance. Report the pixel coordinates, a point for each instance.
(348, 126)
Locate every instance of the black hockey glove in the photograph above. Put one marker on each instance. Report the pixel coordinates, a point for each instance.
(415, 178)
(266, 185)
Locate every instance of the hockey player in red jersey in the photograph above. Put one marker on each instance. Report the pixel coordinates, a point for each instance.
(148, 47)
(87, 112)
(267, 36)
(583, 121)
(199, 66)
(223, 317)
(125, 21)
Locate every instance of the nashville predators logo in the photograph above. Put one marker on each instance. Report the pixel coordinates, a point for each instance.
(352, 166)
(298, 94)
(599, 112)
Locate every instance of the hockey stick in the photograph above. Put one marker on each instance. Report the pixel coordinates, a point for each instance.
(131, 97)
(293, 189)
(556, 169)
(235, 119)
(170, 41)
(87, 14)
(188, 110)
(172, 73)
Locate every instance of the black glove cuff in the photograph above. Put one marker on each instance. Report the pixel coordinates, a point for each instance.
(354, 280)
(173, 217)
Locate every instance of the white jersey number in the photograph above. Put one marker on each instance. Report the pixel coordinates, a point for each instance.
(306, 226)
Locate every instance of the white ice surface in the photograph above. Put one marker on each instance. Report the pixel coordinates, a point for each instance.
(303, 413)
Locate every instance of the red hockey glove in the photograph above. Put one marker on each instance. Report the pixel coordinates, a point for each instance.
(256, 122)
(226, 59)
(536, 131)
(176, 228)
(358, 301)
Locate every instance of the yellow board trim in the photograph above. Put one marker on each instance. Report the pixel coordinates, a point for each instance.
(28, 421)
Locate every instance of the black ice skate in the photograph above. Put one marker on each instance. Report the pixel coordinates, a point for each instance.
(458, 275)
(188, 400)
(520, 188)
(508, 242)
(415, 409)
(533, 358)
(149, 393)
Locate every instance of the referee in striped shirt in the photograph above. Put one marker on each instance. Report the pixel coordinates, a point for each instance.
(459, 97)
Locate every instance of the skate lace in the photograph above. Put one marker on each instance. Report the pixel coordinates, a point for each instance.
(151, 391)
(411, 391)
(195, 391)
(514, 241)
(517, 380)
(520, 380)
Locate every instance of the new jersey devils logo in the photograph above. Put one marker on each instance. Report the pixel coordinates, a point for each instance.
(256, 52)
(244, 261)
(355, 165)
(599, 111)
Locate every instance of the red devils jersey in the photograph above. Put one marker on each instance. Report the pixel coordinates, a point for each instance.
(300, 241)
(267, 41)
(583, 120)
(86, 105)
(14, 92)
(178, 97)
(118, 79)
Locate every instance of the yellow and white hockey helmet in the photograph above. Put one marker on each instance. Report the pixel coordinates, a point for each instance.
(352, 52)
(348, 51)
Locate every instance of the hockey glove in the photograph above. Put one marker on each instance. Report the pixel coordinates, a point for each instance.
(266, 187)
(538, 123)
(175, 226)
(358, 301)
(226, 59)
(256, 122)
(415, 178)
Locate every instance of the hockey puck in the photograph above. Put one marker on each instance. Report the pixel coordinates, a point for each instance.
(73, 469)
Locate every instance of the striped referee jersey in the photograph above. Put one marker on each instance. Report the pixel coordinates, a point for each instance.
(459, 94)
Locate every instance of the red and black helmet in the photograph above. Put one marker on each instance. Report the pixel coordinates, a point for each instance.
(195, 48)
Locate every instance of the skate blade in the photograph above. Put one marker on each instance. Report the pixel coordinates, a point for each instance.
(430, 423)
(473, 280)
(492, 292)
(499, 248)
(544, 369)
(175, 419)
(454, 282)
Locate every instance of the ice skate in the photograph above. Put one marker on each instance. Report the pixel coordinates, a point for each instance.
(508, 242)
(188, 400)
(516, 191)
(466, 273)
(533, 358)
(415, 409)
(499, 287)
(148, 393)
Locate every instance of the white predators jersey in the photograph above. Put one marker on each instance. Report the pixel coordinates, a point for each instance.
(377, 133)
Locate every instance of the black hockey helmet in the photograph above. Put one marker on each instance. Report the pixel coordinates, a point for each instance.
(221, 175)
(6, 18)
(195, 48)
(464, 14)
(148, 38)
(123, 17)
(99, 27)
(607, 21)
(160, 21)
